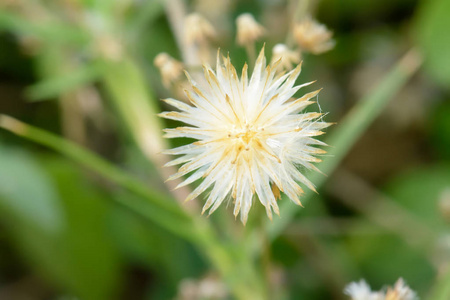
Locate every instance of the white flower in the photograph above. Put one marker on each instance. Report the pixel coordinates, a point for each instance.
(361, 291)
(252, 138)
(400, 292)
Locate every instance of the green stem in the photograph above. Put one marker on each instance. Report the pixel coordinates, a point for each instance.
(350, 129)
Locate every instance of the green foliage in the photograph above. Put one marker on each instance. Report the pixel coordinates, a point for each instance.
(89, 259)
(28, 192)
(57, 220)
(439, 129)
(432, 38)
(419, 192)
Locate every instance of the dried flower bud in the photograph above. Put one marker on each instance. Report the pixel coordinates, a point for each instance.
(198, 29)
(313, 37)
(288, 57)
(248, 30)
(169, 67)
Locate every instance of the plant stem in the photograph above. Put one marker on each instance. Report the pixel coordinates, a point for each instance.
(300, 8)
(176, 12)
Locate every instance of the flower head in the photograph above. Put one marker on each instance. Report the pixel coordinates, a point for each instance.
(361, 291)
(169, 67)
(313, 37)
(400, 291)
(198, 29)
(251, 136)
(248, 30)
(287, 56)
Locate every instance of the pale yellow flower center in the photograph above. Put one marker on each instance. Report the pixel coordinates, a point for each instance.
(245, 135)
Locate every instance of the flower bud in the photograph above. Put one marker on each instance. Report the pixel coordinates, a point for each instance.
(313, 37)
(248, 30)
(198, 29)
(169, 67)
(288, 57)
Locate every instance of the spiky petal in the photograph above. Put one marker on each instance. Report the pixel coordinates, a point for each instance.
(251, 136)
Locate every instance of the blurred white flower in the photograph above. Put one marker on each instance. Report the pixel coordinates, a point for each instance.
(400, 291)
(209, 287)
(361, 291)
(251, 136)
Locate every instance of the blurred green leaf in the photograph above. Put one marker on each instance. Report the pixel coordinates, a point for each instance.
(168, 258)
(146, 13)
(59, 223)
(439, 131)
(30, 212)
(91, 262)
(154, 205)
(27, 192)
(419, 190)
(50, 32)
(433, 38)
(442, 288)
(55, 86)
(384, 258)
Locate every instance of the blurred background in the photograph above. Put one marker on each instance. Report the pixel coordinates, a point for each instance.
(83, 70)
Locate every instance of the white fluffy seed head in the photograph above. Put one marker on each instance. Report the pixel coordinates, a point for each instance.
(252, 136)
